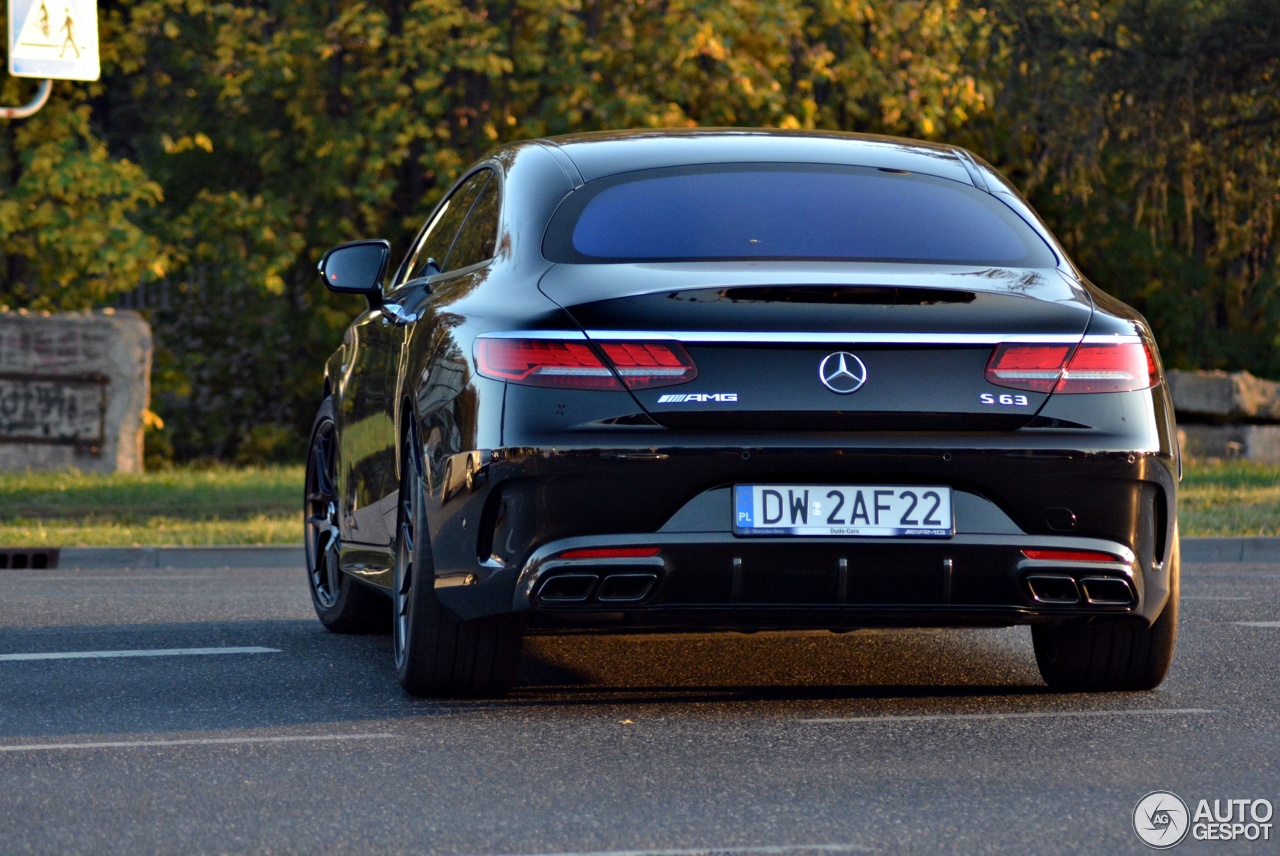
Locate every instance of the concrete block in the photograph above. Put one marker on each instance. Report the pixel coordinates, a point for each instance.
(1219, 396)
(73, 387)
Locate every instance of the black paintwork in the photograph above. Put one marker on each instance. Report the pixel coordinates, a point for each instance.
(518, 474)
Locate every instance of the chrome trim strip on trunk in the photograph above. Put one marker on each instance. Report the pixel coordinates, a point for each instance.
(800, 338)
(536, 334)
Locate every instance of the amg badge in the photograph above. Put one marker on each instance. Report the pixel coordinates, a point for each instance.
(686, 398)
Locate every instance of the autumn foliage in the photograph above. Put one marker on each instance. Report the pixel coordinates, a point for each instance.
(229, 144)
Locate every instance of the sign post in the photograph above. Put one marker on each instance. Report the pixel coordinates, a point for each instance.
(54, 40)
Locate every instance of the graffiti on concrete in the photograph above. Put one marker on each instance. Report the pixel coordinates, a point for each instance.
(52, 409)
(58, 348)
(73, 388)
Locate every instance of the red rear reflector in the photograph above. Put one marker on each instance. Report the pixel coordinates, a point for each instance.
(610, 553)
(1070, 555)
(1101, 367)
(577, 364)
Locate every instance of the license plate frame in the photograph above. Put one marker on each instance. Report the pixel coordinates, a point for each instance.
(859, 511)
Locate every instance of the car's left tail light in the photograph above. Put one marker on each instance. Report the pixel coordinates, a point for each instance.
(1091, 367)
(568, 364)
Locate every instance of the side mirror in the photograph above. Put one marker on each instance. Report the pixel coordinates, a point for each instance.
(357, 268)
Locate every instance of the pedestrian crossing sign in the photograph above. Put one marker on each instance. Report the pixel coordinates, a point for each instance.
(54, 39)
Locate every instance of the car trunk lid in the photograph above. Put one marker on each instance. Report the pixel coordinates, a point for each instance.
(828, 347)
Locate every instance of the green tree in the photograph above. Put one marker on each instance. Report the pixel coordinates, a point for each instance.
(229, 144)
(278, 129)
(69, 237)
(1147, 130)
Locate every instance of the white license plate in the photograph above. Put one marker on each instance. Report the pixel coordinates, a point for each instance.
(848, 510)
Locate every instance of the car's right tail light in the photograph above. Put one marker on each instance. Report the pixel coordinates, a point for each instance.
(1091, 367)
(576, 364)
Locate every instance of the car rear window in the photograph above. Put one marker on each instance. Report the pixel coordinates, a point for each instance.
(780, 212)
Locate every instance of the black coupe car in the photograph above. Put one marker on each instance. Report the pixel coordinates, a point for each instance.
(739, 380)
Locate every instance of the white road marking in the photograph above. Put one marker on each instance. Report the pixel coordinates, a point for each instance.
(780, 850)
(210, 741)
(1259, 623)
(147, 652)
(1047, 714)
(34, 578)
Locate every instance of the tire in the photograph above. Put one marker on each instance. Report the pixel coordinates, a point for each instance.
(1109, 657)
(437, 654)
(342, 605)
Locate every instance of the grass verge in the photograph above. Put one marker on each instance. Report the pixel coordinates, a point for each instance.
(182, 507)
(1230, 498)
(186, 507)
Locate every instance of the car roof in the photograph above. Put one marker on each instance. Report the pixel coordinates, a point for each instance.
(605, 153)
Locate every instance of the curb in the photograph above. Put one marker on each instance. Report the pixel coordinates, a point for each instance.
(94, 558)
(1210, 550)
(1194, 551)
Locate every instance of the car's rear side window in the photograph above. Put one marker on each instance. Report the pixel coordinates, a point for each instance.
(437, 236)
(476, 239)
(789, 211)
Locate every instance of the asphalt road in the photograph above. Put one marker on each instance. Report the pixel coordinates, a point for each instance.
(283, 738)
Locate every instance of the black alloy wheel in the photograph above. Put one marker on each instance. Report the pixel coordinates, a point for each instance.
(342, 605)
(407, 562)
(437, 654)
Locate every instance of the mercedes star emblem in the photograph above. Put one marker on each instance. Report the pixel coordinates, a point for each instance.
(842, 372)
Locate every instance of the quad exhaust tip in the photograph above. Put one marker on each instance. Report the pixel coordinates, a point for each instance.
(1065, 590)
(581, 587)
(567, 588)
(1107, 591)
(1057, 589)
(621, 588)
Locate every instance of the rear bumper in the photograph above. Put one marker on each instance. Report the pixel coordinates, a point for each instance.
(706, 581)
(716, 582)
(499, 527)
